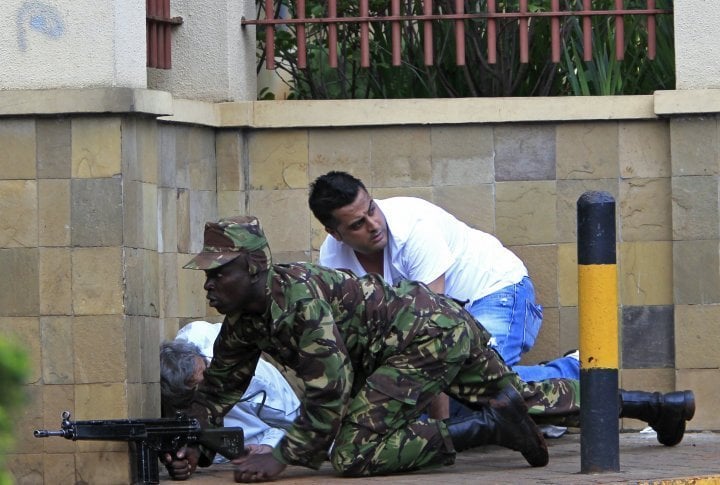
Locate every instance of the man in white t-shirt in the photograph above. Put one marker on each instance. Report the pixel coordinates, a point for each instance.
(268, 407)
(410, 238)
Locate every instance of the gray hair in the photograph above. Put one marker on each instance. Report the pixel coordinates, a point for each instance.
(178, 359)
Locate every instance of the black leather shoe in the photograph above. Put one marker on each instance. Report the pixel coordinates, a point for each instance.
(667, 413)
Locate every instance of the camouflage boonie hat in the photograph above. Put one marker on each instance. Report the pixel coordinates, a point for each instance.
(227, 239)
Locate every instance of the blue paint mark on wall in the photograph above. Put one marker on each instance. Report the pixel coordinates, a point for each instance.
(39, 17)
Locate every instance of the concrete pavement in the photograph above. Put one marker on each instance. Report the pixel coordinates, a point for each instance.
(696, 460)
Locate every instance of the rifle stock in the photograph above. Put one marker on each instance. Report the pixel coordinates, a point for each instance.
(149, 439)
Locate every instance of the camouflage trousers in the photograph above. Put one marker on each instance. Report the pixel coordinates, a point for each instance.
(383, 432)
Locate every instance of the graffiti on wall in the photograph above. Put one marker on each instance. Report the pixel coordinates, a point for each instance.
(39, 17)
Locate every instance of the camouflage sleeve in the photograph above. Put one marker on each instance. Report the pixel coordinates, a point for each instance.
(324, 366)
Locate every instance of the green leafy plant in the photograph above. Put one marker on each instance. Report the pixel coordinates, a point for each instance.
(13, 372)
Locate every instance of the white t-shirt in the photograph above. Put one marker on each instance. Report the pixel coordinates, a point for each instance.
(269, 405)
(425, 241)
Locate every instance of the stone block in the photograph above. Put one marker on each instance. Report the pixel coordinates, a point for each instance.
(168, 220)
(705, 383)
(54, 151)
(648, 337)
(547, 344)
(99, 345)
(29, 417)
(284, 217)
(654, 380)
(644, 149)
(587, 150)
(387, 192)
(142, 282)
(55, 400)
(104, 466)
(695, 212)
(169, 265)
(19, 207)
(567, 275)
(140, 150)
(231, 203)
(194, 209)
(569, 329)
(645, 273)
(292, 257)
(103, 400)
(19, 295)
(401, 157)
(542, 264)
(278, 159)
(568, 194)
(696, 336)
(144, 399)
(25, 468)
(317, 234)
(96, 147)
(191, 301)
(474, 205)
(140, 214)
(347, 150)
(167, 176)
(694, 146)
(58, 468)
(57, 347)
(525, 212)
(645, 209)
(462, 155)
(97, 281)
(55, 281)
(696, 278)
(143, 340)
(53, 212)
(97, 212)
(524, 152)
(229, 150)
(198, 158)
(18, 154)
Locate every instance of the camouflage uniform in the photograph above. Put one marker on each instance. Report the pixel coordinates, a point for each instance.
(372, 357)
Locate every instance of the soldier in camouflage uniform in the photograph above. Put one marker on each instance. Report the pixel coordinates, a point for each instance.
(371, 356)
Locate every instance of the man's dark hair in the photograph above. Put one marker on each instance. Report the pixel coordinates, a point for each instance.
(178, 360)
(332, 191)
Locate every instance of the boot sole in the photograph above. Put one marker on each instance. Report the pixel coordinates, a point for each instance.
(536, 454)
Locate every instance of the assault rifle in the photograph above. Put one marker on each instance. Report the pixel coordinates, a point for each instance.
(150, 439)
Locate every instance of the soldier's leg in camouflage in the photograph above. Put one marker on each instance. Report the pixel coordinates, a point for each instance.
(665, 413)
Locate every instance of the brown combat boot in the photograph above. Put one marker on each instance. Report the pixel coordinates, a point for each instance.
(505, 423)
(665, 413)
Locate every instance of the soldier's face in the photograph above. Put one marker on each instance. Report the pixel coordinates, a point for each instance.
(232, 290)
(361, 225)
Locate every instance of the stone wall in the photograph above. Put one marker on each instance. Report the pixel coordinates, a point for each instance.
(103, 204)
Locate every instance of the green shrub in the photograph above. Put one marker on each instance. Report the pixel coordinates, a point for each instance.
(13, 372)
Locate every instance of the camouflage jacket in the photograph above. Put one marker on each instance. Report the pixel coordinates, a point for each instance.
(333, 329)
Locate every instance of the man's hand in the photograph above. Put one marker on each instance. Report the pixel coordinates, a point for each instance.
(256, 449)
(183, 464)
(258, 467)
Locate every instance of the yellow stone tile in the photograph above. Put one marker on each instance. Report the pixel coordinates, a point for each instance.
(25, 467)
(231, 203)
(57, 399)
(142, 282)
(104, 467)
(347, 150)
(568, 194)
(694, 146)
(25, 333)
(696, 279)
(472, 204)
(58, 469)
(144, 158)
(645, 272)
(229, 145)
(169, 283)
(144, 399)
(587, 150)
(19, 207)
(191, 301)
(401, 157)
(17, 157)
(567, 275)
(101, 401)
(96, 147)
(547, 345)
(57, 344)
(462, 155)
(645, 209)
(644, 149)
(54, 212)
(525, 212)
(28, 418)
(705, 383)
(20, 295)
(569, 329)
(278, 159)
(55, 281)
(99, 348)
(387, 192)
(542, 264)
(695, 212)
(97, 281)
(652, 380)
(696, 332)
(284, 216)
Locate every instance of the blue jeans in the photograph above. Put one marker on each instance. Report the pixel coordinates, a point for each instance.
(513, 319)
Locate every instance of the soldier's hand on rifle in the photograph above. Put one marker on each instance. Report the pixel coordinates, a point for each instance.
(254, 449)
(183, 464)
(258, 467)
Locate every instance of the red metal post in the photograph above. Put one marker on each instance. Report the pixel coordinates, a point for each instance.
(460, 34)
(332, 34)
(619, 32)
(523, 26)
(364, 35)
(491, 33)
(428, 33)
(300, 34)
(269, 36)
(166, 63)
(587, 31)
(153, 35)
(555, 31)
(651, 30)
(395, 29)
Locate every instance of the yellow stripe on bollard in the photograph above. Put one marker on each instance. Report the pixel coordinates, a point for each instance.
(597, 312)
